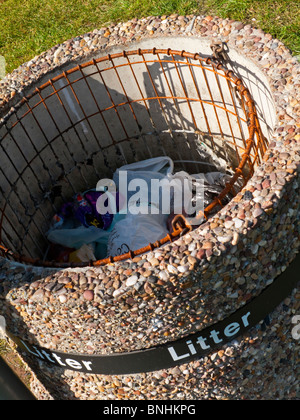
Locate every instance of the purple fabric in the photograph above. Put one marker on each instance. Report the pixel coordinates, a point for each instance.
(84, 209)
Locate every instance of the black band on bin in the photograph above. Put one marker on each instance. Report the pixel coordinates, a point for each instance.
(181, 351)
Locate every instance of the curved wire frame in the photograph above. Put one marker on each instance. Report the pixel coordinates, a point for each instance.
(249, 154)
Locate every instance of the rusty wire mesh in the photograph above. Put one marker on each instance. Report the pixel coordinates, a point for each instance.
(82, 124)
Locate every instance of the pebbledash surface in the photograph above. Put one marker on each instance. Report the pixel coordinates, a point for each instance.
(222, 265)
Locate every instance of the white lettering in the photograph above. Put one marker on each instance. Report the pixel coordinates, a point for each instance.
(192, 409)
(58, 359)
(245, 319)
(134, 410)
(171, 409)
(167, 197)
(123, 179)
(48, 356)
(73, 364)
(214, 336)
(140, 197)
(111, 410)
(191, 347)
(168, 410)
(229, 331)
(37, 354)
(87, 365)
(296, 329)
(106, 203)
(202, 342)
(159, 410)
(174, 354)
(150, 409)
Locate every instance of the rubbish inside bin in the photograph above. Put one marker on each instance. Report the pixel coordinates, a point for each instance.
(68, 232)
(137, 230)
(81, 233)
(82, 210)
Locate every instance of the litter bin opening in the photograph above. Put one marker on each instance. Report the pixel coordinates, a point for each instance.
(83, 124)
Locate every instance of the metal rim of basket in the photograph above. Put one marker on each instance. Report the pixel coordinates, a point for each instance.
(180, 224)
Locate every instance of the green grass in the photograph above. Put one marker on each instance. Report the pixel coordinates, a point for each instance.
(14, 361)
(30, 27)
(3, 347)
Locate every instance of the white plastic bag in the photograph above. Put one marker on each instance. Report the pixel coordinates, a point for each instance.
(196, 190)
(187, 190)
(127, 177)
(137, 231)
(161, 166)
(76, 238)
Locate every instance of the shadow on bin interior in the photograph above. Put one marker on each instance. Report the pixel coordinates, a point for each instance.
(121, 155)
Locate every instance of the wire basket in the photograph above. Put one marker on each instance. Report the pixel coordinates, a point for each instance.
(83, 124)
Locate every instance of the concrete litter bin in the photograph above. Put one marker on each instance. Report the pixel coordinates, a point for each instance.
(205, 313)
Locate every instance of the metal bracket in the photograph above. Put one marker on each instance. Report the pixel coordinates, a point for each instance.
(180, 223)
(220, 50)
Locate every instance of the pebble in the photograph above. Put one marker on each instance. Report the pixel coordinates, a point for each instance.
(241, 281)
(154, 262)
(163, 275)
(218, 284)
(183, 269)
(238, 223)
(258, 212)
(38, 296)
(172, 269)
(201, 254)
(207, 245)
(131, 281)
(224, 239)
(63, 298)
(148, 288)
(191, 260)
(235, 239)
(229, 224)
(88, 295)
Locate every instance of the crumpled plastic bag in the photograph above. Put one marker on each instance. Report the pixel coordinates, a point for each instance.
(147, 170)
(76, 237)
(85, 253)
(126, 231)
(78, 223)
(137, 231)
(203, 187)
